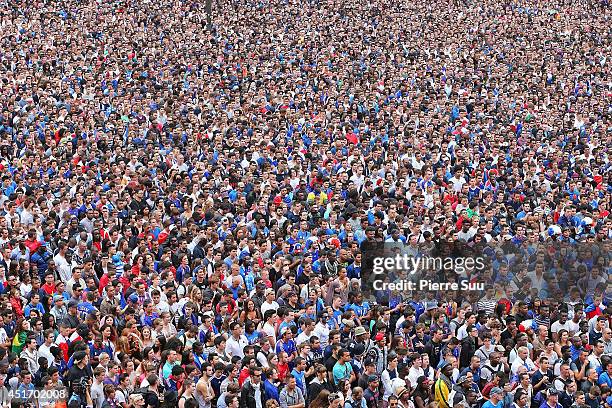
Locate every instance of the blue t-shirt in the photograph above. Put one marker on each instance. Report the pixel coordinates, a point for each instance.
(288, 347)
(604, 378)
(300, 379)
(342, 372)
(84, 309)
(489, 404)
(360, 310)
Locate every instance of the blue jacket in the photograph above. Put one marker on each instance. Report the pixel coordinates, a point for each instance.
(270, 390)
(42, 261)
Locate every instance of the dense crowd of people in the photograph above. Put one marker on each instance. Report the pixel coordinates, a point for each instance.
(188, 209)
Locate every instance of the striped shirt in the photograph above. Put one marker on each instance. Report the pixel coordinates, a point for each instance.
(488, 305)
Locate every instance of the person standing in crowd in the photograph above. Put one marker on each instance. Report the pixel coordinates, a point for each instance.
(193, 199)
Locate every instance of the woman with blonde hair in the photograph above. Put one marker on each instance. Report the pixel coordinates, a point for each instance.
(195, 294)
(147, 339)
(167, 329)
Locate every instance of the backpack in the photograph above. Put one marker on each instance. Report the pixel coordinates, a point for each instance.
(457, 326)
(492, 370)
(145, 392)
(373, 354)
(125, 393)
(352, 404)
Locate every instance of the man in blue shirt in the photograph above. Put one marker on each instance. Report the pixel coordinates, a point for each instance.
(86, 307)
(343, 370)
(149, 314)
(606, 377)
(496, 397)
(552, 399)
(299, 373)
(361, 308)
(26, 387)
(286, 344)
(34, 305)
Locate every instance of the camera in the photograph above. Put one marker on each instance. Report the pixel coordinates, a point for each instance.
(79, 386)
(19, 403)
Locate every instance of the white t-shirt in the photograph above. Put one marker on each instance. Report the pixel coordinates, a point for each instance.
(262, 359)
(594, 362)
(303, 338)
(120, 396)
(3, 335)
(235, 347)
(462, 332)
(269, 306)
(556, 326)
(269, 330)
(43, 351)
(63, 267)
(97, 394)
(573, 327)
(413, 375)
(162, 307)
(322, 332)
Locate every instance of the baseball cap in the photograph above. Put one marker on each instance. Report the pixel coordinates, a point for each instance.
(372, 378)
(73, 303)
(348, 322)
(496, 390)
(379, 336)
(444, 365)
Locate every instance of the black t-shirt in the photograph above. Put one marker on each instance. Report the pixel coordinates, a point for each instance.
(363, 381)
(76, 373)
(433, 349)
(330, 363)
(537, 377)
(151, 399)
(592, 402)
